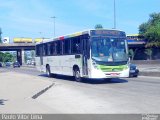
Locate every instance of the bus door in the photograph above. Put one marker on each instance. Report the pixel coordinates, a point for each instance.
(41, 54)
(84, 57)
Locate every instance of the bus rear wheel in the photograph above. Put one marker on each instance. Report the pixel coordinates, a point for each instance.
(48, 71)
(77, 75)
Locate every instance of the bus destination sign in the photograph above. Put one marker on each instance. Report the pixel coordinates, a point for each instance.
(107, 33)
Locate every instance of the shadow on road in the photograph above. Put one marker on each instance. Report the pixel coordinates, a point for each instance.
(2, 101)
(104, 81)
(88, 81)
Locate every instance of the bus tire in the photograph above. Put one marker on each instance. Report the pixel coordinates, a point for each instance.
(48, 71)
(77, 75)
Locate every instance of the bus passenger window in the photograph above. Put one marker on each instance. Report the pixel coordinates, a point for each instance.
(45, 49)
(67, 47)
(75, 45)
(38, 50)
(49, 49)
(59, 47)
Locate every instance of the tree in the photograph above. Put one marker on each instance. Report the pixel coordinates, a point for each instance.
(149, 53)
(98, 26)
(143, 28)
(151, 30)
(14, 58)
(131, 54)
(32, 54)
(1, 56)
(0, 35)
(7, 57)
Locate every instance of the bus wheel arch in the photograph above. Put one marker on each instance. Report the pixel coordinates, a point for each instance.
(76, 73)
(48, 71)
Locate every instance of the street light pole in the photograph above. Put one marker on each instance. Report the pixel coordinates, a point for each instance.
(41, 36)
(114, 14)
(54, 24)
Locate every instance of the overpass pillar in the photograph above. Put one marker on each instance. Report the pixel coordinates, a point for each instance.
(23, 57)
(19, 56)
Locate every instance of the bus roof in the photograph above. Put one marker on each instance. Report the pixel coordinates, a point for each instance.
(77, 34)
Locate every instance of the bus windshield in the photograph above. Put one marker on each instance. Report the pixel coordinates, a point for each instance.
(109, 50)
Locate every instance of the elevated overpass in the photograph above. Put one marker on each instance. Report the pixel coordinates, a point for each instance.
(19, 47)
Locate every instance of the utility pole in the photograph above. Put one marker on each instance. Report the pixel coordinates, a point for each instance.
(54, 24)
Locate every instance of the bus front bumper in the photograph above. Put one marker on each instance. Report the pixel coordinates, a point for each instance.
(101, 74)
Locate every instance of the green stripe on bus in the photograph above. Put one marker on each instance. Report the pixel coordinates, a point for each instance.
(112, 68)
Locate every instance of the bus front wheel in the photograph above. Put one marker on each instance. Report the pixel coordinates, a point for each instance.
(77, 75)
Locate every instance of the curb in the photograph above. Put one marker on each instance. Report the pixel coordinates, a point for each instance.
(28, 66)
(42, 91)
(149, 73)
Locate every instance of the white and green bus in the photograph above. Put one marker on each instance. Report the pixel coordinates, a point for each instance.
(88, 54)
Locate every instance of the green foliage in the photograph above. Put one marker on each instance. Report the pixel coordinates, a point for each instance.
(149, 53)
(98, 26)
(14, 58)
(131, 54)
(154, 19)
(25, 57)
(32, 54)
(151, 30)
(143, 28)
(6, 57)
(1, 56)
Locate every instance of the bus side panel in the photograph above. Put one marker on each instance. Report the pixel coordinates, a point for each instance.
(37, 63)
(67, 63)
(62, 64)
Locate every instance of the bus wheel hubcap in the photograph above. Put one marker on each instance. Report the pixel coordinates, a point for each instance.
(77, 75)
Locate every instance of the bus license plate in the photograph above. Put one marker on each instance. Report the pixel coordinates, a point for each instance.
(114, 74)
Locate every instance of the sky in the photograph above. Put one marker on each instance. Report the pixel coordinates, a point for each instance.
(32, 18)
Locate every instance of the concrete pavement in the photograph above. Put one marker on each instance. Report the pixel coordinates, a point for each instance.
(148, 67)
(16, 91)
(149, 70)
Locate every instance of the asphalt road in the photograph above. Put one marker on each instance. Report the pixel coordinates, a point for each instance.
(132, 95)
(129, 95)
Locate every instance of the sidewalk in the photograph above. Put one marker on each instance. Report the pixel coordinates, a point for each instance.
(148, 68)
(17, 90)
